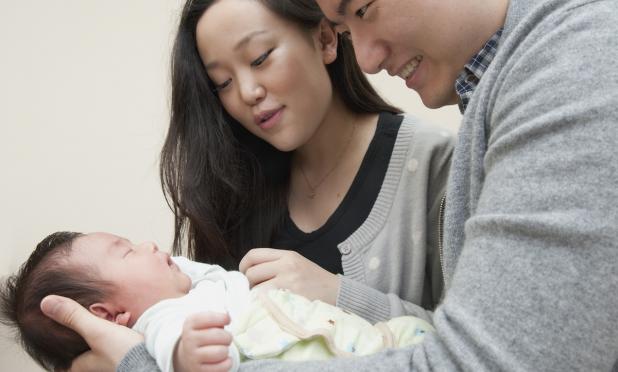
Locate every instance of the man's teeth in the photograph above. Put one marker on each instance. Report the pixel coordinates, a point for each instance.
(408, 69)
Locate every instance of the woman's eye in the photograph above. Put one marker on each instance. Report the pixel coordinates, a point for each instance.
(261, 58)
(220, 87)
(360, 13)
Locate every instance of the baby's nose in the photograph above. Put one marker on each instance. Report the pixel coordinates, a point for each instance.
(149, 246)
(153, 246)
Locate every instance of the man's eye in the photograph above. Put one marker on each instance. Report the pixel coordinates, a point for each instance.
(261, 58)
(220, 87)
(363, 10)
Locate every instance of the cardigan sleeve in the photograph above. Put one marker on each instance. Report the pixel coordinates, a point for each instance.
(374, 305)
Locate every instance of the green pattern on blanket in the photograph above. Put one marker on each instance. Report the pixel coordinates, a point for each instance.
(279, 324)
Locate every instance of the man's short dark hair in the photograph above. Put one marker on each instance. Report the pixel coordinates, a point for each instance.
(46, 272)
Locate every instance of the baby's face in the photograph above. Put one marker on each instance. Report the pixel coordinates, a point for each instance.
(141, 274)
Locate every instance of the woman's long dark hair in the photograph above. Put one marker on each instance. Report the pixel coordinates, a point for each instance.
(228, 188)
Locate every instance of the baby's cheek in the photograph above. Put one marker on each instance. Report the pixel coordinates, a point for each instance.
(186, 287)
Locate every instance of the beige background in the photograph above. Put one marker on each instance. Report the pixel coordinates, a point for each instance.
(83, 111)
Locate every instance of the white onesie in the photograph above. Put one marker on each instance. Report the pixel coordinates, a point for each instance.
(212, 289)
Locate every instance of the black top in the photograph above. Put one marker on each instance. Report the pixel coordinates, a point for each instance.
(320, 246)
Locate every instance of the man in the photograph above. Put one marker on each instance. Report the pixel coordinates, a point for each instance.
(531, 224)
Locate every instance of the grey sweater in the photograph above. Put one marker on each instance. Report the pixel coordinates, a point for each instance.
(531, 237)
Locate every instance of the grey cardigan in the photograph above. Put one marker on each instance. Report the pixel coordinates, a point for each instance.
(531, 238)
(391, 263)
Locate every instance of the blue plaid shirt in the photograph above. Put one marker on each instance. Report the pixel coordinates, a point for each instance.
(470, 76)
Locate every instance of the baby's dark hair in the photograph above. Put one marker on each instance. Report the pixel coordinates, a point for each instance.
(46, 272)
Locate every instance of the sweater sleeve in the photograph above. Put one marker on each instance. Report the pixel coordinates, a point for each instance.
(138, 360)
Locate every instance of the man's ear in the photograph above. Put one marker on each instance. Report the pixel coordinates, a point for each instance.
(111, 313)
(328, 42)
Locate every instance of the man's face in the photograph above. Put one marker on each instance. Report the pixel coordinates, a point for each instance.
(421, 41)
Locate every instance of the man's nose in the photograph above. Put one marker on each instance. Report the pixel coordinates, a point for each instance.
(370, 54)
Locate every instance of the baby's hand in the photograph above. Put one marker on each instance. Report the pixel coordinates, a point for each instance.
(204, 344)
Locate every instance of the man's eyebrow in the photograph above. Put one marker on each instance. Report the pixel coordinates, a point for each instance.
(343, 6)
(238, 45)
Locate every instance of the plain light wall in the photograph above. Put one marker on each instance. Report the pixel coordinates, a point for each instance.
(84, 98)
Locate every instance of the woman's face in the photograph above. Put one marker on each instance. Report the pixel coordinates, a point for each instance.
(269, 74)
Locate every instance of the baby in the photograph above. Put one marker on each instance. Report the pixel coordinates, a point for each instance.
(141, 287)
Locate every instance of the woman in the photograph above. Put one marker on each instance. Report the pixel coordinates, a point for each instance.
(278, 140)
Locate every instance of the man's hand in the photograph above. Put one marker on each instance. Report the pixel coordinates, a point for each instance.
(277, 268)
(204, 344)
(109, 342)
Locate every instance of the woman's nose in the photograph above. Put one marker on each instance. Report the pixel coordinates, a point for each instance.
(252, 92)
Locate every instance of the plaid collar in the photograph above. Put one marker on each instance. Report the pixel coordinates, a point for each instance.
(470, 76)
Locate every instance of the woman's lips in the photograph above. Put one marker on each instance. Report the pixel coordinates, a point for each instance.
(269, 119)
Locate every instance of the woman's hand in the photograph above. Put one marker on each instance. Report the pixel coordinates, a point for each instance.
(204, 344)
(276, 268)
(109, 342)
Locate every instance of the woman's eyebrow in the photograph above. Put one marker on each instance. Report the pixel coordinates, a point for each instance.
(248, 38)
(240, 44)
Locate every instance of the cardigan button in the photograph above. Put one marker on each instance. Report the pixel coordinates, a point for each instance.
(345, 249)
(412, 165)
(374, 263)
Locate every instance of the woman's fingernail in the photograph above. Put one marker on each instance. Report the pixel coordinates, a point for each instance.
(49, 305)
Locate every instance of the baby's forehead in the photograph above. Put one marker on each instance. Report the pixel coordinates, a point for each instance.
(96, 245)
(100, 239)
(102, 236)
